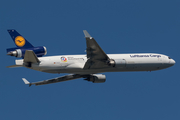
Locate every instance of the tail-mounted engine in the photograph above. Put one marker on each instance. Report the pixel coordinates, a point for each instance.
(19, 52)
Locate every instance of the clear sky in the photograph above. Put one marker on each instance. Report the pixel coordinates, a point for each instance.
(119, 26)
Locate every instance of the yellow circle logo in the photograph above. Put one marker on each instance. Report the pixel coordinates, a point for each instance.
(20, 41)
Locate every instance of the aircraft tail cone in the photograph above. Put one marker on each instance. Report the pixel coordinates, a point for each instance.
(10, 53)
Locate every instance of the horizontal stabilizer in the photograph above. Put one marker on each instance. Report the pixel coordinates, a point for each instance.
(30, 56)
(13, 66)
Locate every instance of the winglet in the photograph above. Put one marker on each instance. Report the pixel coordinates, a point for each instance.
(26, 82)
(87, 35)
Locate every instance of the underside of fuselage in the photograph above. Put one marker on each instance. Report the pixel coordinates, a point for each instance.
(127, 68)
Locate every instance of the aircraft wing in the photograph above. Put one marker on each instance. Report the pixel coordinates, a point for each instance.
(96, 56)
(54, 80)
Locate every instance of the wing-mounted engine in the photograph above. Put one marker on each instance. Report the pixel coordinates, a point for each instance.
(117, 62)
(96, 78)
(19, 52)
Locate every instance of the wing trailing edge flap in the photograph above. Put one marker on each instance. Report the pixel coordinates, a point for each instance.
(95, 55)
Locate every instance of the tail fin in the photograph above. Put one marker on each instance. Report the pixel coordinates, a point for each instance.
(19, 40)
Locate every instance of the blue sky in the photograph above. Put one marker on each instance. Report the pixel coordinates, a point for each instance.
(119, 26)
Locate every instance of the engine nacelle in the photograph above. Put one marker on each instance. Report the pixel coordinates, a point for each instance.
(39, 51)
(117, 63)
(96, 78)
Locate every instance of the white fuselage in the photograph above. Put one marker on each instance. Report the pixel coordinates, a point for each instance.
(124, 62)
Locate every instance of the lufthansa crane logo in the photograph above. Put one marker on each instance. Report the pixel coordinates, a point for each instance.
(20, 41)
(63, 59)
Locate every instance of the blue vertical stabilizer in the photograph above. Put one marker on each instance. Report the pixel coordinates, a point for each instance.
(19, 40)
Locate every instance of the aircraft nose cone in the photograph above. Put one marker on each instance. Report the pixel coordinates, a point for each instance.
(172, 62)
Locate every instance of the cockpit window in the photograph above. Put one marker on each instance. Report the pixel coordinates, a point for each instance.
(169, 57)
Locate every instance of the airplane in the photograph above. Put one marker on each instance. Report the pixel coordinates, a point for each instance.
(88, 66)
